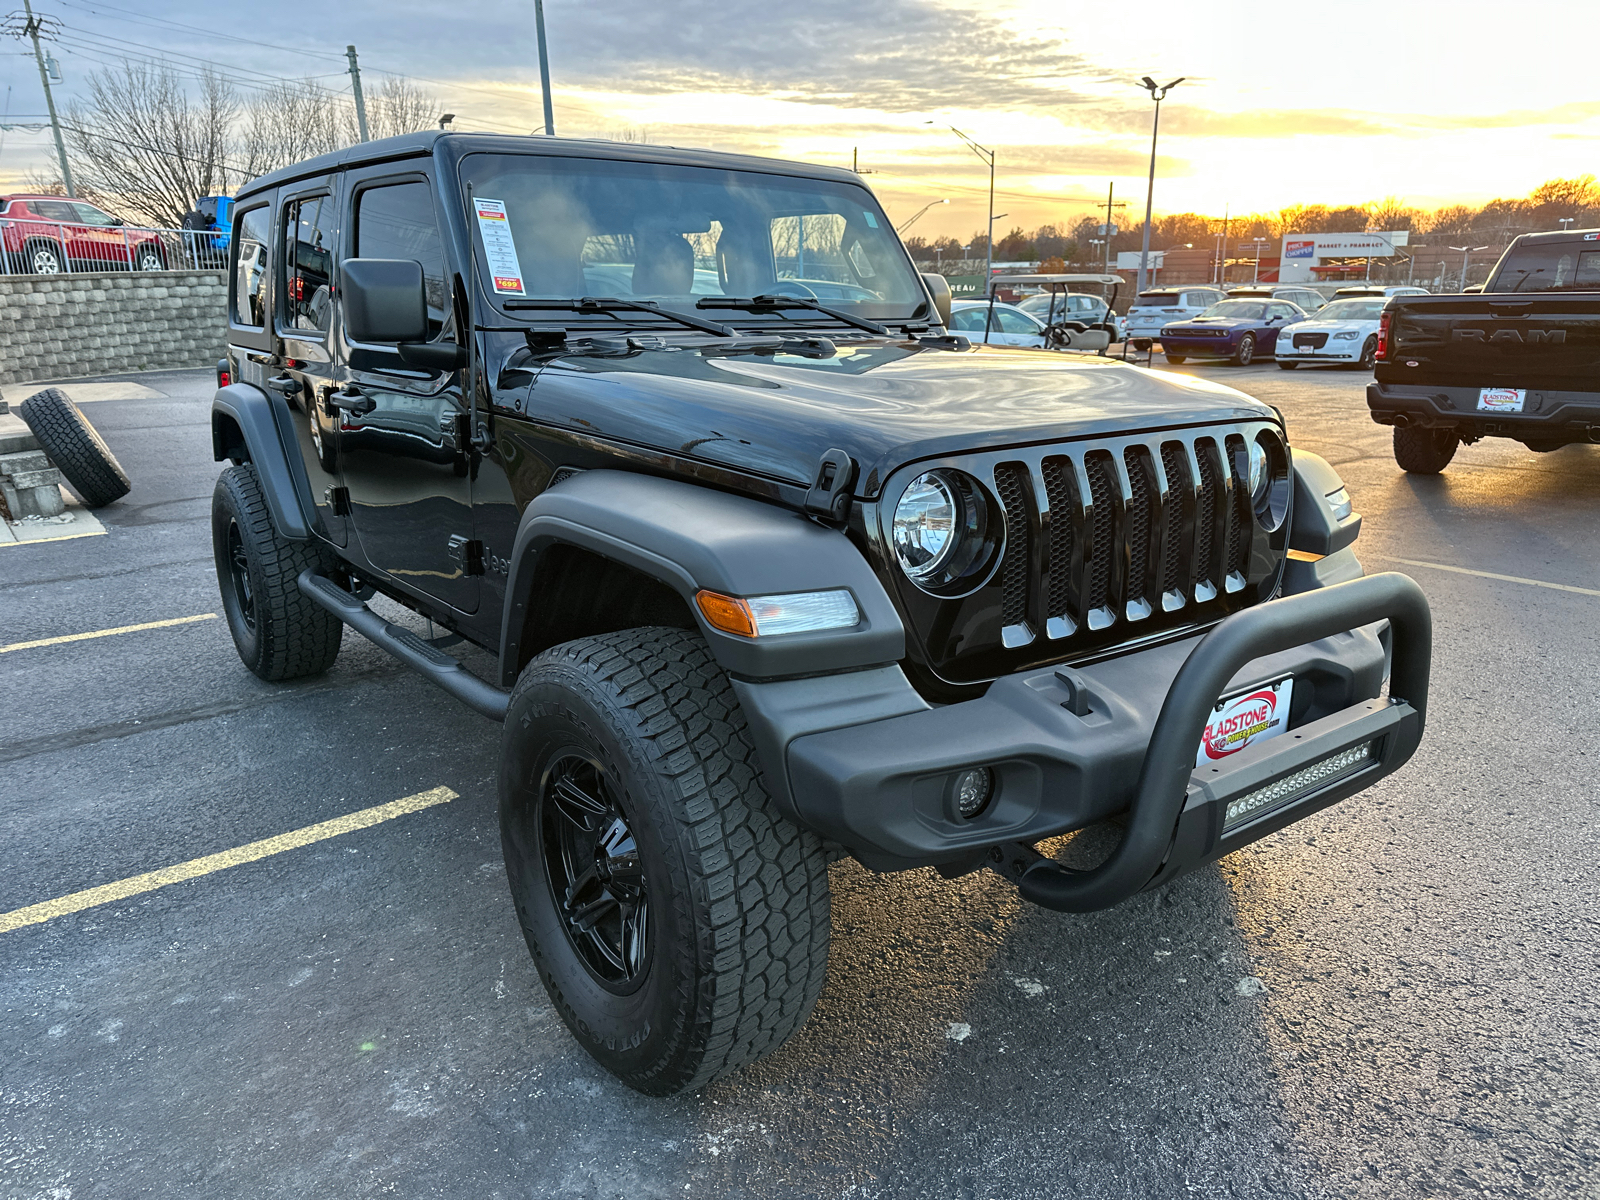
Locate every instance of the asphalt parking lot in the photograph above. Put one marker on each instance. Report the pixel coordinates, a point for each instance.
(1395, 998)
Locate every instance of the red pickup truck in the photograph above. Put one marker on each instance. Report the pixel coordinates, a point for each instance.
(45, 235)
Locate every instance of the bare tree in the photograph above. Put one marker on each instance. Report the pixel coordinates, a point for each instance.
(398, 106)
(142, 138)
(291, 121)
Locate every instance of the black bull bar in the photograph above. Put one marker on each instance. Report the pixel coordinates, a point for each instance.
(1178, 819)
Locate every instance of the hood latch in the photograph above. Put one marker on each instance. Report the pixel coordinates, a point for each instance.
(829, 496)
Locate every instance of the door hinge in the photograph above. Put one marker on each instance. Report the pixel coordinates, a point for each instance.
(338, 499)
(466, 551)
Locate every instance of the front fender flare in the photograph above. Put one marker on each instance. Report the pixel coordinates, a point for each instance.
(247, 426)
(690, 537)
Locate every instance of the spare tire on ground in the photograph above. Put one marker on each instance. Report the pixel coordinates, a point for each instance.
(78, 452)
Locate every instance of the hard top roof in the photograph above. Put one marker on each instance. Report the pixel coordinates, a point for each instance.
(414, 145)
(1562, 235)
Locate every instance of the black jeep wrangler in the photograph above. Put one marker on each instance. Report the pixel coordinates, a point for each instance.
(775, 568)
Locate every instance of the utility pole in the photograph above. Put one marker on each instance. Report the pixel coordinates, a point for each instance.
(1158, 94)
(361, 101)
(1111, 190)
(544, 70)
(31, 27)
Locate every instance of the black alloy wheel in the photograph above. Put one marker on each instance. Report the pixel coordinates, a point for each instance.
(1246, 353)
(243, 597)
(596, 879)
(1369, 355)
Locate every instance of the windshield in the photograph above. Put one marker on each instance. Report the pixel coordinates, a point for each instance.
(563, 228)
(1548, 267)
(1351, 310)
(1239, 310)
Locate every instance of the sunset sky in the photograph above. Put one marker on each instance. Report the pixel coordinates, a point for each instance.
(1283, 104)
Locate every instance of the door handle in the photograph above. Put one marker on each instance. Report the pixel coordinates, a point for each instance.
(286, 384)
(352, 401)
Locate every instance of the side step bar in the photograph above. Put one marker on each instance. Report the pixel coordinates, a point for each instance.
(405, 645)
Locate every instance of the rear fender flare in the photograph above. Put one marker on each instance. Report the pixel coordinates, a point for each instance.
(690, 537)
(246, 426)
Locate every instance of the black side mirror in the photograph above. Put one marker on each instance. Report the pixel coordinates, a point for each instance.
(383, 301)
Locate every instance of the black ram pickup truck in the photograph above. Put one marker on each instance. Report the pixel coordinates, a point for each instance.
(772, 568)
(1520, 359)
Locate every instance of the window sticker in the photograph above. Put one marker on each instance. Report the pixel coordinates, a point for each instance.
(499, 251)
(872, 221)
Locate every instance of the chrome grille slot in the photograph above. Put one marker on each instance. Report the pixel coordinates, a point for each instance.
(1142, 535)
(1061, 494)
(1174, 510)
(1102, 509)
(1010, 481)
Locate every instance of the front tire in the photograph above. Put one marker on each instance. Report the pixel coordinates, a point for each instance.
(1422, 451)
(279, 631)
(678, 921)
(1246, 353)
(150, 259)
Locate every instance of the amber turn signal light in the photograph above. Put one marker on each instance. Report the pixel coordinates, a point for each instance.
(727, 613)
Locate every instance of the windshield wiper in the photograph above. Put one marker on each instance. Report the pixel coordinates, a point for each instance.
(771, 303)
(605, 304)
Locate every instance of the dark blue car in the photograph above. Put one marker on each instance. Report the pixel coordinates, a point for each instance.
(1237, 330)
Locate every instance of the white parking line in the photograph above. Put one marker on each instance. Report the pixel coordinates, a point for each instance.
(1554, 587)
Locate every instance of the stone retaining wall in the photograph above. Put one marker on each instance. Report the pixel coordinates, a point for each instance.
(101, 322)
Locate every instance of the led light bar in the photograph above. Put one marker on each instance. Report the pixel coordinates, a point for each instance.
(769, 616)
(1291, 787)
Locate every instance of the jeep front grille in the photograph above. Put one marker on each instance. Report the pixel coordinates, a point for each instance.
(1107, 543)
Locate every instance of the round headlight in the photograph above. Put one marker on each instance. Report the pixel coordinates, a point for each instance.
(925, 526)
(945, 536)
(1259, 479)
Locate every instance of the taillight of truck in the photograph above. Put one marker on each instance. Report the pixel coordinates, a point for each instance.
(1384, 319)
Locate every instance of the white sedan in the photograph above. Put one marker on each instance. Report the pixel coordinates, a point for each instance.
(1009, 325)
(1344, 332)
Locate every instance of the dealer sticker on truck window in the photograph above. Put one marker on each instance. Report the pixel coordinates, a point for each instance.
(1243, 720)
(499, 251)
(1501, 399)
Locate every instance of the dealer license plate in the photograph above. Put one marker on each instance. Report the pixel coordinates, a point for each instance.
(1245, 719)
(1501, 399)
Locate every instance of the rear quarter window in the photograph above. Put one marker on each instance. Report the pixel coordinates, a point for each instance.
(249, 291)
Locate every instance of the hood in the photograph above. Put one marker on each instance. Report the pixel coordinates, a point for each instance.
(1312, 325)
(1221, 322)
(883, 403)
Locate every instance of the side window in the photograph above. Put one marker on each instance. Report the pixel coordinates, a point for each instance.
(250, 268)
(967, 320)
(55, 210)
(396, 220)
(1013, 322)
(308, 240)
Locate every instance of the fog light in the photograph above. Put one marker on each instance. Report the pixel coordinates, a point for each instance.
(974, 786)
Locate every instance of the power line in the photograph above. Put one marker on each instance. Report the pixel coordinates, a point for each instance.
(141, 19)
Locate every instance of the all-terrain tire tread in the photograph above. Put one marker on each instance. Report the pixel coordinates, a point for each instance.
(299, 636)
(1422, 451)
(758, 882)
(75, 446)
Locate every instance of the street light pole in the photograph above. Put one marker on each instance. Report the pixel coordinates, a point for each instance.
(988, 156)
(1158, 94)
(1256, 277)
(919, 212)
(544, 69)
(1566, 222)
(1466, 254)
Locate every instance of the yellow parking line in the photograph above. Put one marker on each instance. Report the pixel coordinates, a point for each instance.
(100, 633)
(1554, 587)
(108, 893)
